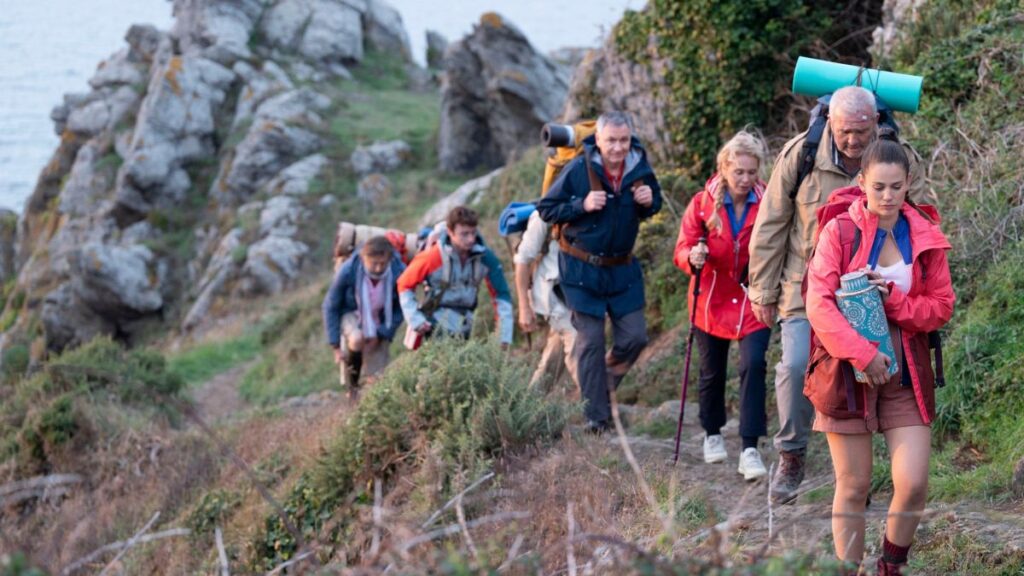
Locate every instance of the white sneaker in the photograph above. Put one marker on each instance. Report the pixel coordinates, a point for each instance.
(751, 465)
(714, 449)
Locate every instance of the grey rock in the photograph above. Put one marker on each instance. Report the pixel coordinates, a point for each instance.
(175, 126)
(67, 322)
(87, 186)
(8, 239)
(374, 189)
(90, 119)
(326, 201)
(216, 29)
(468, 193)
(319, 30)
(139, 233)
(380, 157)
(305, 73)
(898, 17)
(143, 42)
(496, 93)
(116, 281)
(605, 80)
(117, 70)
(279, 136)
(281, 216)
(385, 31)
(295, 179)
(272, 264)
(437, 45)
(260, 84)
(220, 270)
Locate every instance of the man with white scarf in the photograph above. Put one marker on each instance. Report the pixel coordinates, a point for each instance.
(362, 311)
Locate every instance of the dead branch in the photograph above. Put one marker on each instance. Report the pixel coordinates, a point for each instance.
(222, 554)
(37, 487)
(652, 501)
(130, 543)
(77, 564)
(461, 515)
(455, 528)
(433, 517)
(570, 554)
(299, 558)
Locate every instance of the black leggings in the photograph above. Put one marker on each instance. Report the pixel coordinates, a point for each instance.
(714, 358)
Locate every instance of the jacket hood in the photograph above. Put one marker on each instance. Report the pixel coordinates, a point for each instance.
(925, 233)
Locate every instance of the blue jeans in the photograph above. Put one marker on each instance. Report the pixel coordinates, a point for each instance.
(795, 411)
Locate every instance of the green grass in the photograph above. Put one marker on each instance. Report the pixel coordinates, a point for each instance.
(457, 404)
(204, 361)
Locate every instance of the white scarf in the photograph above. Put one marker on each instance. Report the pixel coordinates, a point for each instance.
(365, 306)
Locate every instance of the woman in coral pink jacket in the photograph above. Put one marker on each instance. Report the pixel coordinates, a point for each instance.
(904, 253)
(724, 214)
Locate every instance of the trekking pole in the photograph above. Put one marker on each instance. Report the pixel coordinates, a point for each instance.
(689, 350)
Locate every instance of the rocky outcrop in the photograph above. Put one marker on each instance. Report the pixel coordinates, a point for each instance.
(897, 17)
(465, 195)
(223, 112)
(380, 157)
(497, 91)
(281, 133)
(606, 80)
(437, 45)
(374, 189)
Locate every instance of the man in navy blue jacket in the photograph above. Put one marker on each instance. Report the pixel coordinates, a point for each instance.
(362, 311)
(600, 199)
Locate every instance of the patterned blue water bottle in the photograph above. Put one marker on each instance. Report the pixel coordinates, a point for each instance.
(861, 305)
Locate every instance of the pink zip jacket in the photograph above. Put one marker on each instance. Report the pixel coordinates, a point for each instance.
(927, 307)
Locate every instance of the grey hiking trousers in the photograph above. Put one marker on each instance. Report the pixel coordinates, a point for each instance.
(596, 376)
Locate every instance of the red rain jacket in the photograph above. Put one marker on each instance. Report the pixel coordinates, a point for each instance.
(927, 307)
(723, 309)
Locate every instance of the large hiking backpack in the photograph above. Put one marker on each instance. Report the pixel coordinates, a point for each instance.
(816, 129)
(838, 204)
(566, 143)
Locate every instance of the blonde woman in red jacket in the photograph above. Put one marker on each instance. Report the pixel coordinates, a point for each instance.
(724, 214)
(904, 252)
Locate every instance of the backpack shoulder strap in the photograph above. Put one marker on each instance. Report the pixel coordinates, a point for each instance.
(595, 182)
(808, 152)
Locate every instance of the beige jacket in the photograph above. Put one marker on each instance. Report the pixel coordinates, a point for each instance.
(784, 230)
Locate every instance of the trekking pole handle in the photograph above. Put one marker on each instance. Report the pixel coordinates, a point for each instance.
(698, 269)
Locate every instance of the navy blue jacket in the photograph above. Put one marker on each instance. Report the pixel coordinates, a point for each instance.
(611, 231)
(342, 298)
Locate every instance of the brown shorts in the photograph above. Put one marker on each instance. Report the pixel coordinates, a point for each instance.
(889, 406)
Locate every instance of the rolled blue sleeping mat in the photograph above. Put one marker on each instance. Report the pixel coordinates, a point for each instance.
(815, 78)
(861, 305)
(514, 217)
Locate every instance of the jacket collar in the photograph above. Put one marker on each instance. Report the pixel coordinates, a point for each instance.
(924, 234)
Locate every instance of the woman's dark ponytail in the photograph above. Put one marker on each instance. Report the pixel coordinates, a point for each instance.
(886, 149)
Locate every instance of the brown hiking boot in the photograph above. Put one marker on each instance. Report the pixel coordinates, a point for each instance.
(788, 477)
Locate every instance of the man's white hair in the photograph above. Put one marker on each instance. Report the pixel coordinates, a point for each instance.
(853, 102)
(614, 118)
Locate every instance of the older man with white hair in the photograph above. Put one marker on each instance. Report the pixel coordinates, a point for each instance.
(782, 241)
(599, 200)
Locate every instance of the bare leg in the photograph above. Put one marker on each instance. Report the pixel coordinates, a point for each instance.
(851, 459)
(909, 450)
(552, 349)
